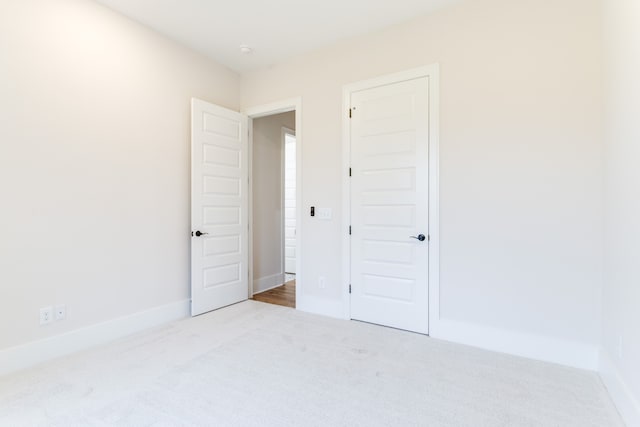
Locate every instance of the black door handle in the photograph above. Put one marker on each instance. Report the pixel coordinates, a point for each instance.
(200, 233)
(419, 237)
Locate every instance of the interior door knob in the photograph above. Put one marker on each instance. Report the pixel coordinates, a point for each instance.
(200, 233)
(420, 237)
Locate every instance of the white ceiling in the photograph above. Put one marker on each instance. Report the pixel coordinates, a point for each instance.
(275, 29)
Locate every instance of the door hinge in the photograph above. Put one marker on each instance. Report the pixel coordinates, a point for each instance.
(349, 230)
(349, 287)
(349, 112)
(349, 171)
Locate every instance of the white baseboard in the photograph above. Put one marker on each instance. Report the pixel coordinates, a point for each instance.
(628, 405)
(33, 353)
(265, 283)
(548, 349)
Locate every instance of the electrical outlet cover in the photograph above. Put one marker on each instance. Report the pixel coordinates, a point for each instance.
(46, 315)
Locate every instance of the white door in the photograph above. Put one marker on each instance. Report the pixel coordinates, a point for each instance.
(219, 206)
(389, 205)
(289, 202)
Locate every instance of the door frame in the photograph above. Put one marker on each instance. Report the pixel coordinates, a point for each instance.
(432, 72)
(284, 106)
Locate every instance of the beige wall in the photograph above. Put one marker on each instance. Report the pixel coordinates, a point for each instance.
(267, 184)
(94, 164)
(621, 338)
(521, 173)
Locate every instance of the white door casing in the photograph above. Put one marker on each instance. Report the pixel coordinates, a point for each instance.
(289, 142)
(389, 202)
(219, 207)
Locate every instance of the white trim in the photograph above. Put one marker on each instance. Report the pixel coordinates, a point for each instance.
(432, 72)
(291, 104)
(628, 405)
(250, 204)
(346, 202)
(539, 347)
(269, 282)
(434, 197)
(33, 353)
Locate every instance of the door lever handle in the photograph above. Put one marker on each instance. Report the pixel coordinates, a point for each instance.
(419, 237)
(200, 233)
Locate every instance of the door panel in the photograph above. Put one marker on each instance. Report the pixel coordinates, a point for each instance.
(219, 206)
(290, 204)
(389, 203)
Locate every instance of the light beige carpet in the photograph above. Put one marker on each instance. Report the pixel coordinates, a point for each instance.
(255, 364)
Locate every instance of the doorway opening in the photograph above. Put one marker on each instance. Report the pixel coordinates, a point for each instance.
(274, 177)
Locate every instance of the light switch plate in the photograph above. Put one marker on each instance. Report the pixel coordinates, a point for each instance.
(324, 213)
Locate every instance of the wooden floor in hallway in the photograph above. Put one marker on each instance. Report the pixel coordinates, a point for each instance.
(282, 295)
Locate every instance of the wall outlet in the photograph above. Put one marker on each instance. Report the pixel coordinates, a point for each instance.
(46, 315)
(61, 312)
(321, 283)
